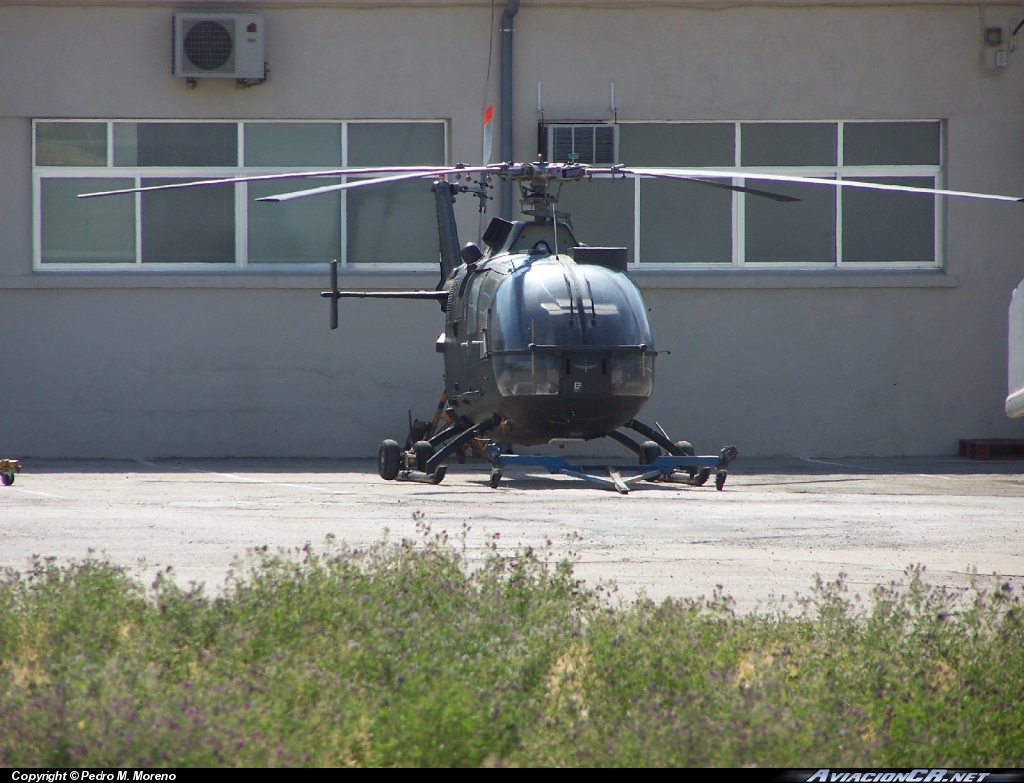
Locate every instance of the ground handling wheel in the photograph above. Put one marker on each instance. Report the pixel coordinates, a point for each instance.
(423, 451)
(649, 451)
(686, 448)
(389, 460)
(8, 469)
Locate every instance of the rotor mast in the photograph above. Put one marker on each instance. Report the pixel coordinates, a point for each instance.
(540, 184)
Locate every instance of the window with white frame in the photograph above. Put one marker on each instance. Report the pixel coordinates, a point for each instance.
(222, 226)
(670, 223)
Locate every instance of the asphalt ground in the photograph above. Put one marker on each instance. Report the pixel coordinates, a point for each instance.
(775, 526)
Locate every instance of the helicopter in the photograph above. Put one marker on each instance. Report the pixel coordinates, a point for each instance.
(546, 340)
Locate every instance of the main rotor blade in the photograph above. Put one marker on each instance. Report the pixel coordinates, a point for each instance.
(437, 296)
(361, 183)
(737, 188)
(689, 174)
(355, 172)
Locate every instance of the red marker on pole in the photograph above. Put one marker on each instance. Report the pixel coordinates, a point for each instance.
(488, 133)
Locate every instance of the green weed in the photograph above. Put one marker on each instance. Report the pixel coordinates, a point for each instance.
(401, 654)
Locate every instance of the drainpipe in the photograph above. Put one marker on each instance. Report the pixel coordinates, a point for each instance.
(511, 9)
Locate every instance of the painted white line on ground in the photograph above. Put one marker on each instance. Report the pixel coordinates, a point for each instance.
(232, 476)
(836, 464)
(35, 492)
(862, 467)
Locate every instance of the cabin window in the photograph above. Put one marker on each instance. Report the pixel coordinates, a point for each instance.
(672, 224)
(632, 376)
(528, 376)
(223, 226)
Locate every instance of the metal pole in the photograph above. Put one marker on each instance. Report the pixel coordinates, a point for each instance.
(511, 9)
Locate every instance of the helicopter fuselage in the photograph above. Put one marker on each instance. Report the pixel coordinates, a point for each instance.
(558, 348)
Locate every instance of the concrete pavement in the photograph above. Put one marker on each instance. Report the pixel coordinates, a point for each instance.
(777, 523)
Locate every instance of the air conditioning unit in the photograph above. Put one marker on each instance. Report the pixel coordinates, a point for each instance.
(593, 143)
(210, 45)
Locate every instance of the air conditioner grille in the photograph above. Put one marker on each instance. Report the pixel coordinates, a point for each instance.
(592, 144)
(208, 45)
(218, 45)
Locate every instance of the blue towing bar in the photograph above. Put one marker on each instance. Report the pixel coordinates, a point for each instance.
(691, 470)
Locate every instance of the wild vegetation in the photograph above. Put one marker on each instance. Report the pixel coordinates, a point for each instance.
(403, 654)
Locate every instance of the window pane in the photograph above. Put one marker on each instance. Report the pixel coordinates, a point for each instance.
(95, 230)
(395, 144)
(678, 144)
(300, 232)
(287, 144)
(71, 144)
(602, 212)
(175, 144)
(192, 225)
(788, 143)
(881, 226)
(684, 222)
(797, 232)
(884, 143)
(394, 223)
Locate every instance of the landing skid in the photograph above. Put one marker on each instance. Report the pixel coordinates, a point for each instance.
(422, 461)
(692, 470)
(426, 449)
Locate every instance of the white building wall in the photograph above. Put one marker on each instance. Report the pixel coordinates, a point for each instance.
(242, 364)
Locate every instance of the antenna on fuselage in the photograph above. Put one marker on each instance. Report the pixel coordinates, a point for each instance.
(573, 158)
(554, 220)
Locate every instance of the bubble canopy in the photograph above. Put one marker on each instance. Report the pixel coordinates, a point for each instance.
(551, 309)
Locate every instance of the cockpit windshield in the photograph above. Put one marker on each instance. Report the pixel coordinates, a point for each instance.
(548, 310)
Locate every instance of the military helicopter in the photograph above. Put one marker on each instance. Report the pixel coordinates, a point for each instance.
(546, 340)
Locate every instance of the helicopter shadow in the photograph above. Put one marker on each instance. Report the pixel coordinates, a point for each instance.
(549, 482)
